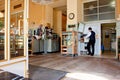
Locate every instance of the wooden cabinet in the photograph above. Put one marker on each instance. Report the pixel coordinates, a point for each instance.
(69, 42)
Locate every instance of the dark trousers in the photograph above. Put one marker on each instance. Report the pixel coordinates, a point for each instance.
(90, 46)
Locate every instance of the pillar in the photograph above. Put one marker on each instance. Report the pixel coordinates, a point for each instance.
(74, 14)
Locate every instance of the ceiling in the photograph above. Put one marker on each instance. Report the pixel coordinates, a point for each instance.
(58, 4)
(63, 9)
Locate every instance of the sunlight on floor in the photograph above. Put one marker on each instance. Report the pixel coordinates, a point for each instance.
(85, 76)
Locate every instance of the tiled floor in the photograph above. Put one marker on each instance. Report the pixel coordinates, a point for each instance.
(80, 67)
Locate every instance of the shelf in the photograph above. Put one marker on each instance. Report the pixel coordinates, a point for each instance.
(64, 49)
(69, 42)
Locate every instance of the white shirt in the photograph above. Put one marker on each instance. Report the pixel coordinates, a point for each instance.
(86, 38)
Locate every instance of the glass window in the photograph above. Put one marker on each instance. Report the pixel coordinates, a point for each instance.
(16, 35)
(106, 2)
(90, 11)
(16, 29)
(106, 9)
(2, 32)
(90, 18)
(107, 16)
(89, 4)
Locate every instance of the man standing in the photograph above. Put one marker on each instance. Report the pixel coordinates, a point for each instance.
(91, 43)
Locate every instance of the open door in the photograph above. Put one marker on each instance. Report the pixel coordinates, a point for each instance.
(108, 40)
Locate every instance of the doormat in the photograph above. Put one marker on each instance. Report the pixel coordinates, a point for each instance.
(5, 75)
(42, 73)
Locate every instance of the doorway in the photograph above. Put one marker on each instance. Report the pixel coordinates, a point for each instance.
(108, 40)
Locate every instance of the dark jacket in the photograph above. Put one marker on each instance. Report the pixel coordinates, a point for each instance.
(92, 36)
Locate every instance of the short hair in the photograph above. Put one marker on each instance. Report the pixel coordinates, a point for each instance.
(89, 28)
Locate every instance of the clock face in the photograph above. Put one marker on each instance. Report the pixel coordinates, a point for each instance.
(71, 16)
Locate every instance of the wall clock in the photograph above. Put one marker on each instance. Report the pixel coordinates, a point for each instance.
(71, 16)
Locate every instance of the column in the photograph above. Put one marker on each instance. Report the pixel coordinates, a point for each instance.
(74, 14)
(7, 29)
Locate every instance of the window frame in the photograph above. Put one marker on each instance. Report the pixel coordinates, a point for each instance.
(98, 11)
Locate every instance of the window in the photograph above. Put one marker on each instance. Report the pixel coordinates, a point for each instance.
(16, 35)
(99, 10)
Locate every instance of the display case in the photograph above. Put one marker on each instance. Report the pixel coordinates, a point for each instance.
(16, 45)
(12, 44)
(2, 46)
(69, 42)
(1, 41)
(19, 42)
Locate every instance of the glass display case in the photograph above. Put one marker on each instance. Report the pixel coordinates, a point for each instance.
(69, 42)
(1, 41)
(19, 42)
(12, 44)
(16, 45)
(1, 46)
(16, 35)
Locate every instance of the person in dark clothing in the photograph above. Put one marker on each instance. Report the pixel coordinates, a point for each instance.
(39, 30)
(91, 43)
(38, 33)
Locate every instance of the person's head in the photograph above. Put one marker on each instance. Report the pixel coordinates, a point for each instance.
(48, 25)
(90, 29)
(40, 25)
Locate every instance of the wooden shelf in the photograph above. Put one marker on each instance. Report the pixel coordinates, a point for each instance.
(65, 48)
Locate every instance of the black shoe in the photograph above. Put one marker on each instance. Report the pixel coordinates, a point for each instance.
(92, 54)
(88, 54)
